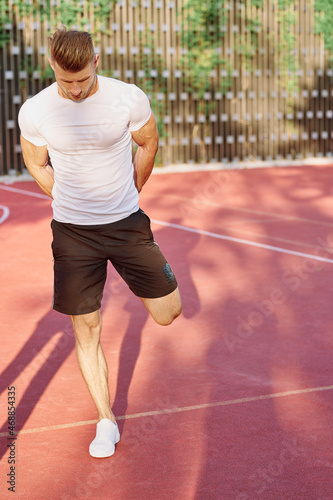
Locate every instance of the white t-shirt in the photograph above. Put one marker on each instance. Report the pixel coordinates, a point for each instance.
(90, 147)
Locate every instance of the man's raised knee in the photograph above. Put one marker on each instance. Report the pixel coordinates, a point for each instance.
(164, 309)
(168, 318)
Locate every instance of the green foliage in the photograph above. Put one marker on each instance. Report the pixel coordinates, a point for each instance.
(284, 40)
(201, 36)
(258, 3)
(246, 45)
(68, 12)
(202, 22)
(4, 19)
(202, 39)
(323, 24)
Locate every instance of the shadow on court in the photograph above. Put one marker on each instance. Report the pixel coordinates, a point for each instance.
(29, 361)
(131, 342)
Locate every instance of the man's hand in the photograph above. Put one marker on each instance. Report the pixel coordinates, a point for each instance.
(147, 140)
(35, 159)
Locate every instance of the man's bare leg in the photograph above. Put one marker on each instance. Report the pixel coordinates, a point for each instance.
(164, 309)
(87, 330)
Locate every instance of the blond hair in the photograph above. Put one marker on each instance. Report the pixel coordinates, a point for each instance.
(72, 50)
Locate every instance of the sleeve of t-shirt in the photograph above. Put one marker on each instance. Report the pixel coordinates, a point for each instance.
(28, 127)
(139, 110)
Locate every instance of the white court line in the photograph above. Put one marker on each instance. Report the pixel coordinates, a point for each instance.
(283, 217)
(179, 410)
(5, 214)
(22, 191)
(243, 242)
(200, 231)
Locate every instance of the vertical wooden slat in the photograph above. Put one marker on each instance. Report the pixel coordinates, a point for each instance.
(320, 78)
(3, 163)
(240, 89)
(184, 109)
(265, 77)
(13, 65)
(260, 77)
(272, 126)
(174, 44)
(297, 77)
(225, 111)
(303, 63)
(7, 67)
(310, 146)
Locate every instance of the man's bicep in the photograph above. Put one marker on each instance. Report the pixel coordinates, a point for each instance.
(34, 156)
(146, 134)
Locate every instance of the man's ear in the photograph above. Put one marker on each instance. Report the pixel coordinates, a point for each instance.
(96, 61)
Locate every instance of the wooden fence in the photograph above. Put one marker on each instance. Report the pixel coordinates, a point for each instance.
(246, 81)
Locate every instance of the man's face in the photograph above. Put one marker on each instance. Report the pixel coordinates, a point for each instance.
(76, 86)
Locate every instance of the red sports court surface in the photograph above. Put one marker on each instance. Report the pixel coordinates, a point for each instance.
(232, 401)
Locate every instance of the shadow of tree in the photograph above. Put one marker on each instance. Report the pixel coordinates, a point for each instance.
(272, 338)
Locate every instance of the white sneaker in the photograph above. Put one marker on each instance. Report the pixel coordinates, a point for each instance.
(107, 436)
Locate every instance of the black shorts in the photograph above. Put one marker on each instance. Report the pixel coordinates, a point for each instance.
(81, 254)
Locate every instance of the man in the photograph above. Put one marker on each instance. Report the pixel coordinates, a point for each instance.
(85, 123)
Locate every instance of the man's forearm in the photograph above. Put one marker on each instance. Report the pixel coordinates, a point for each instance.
(44, 176)
(35, 159)
(147, 140)
(143, 165)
